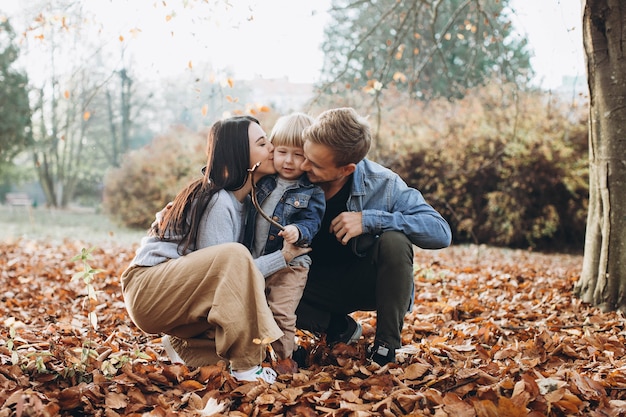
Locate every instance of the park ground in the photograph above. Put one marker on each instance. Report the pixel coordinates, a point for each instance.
(494, 332)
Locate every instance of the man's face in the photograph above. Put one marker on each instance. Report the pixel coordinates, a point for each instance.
(319, 164)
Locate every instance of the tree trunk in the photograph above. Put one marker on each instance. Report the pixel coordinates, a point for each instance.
(603, 279)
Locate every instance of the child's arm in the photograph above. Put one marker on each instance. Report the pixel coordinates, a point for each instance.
(309, 220)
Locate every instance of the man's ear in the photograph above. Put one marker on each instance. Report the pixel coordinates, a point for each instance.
(348, 169)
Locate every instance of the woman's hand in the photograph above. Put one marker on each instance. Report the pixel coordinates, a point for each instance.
(290, 251)
(158, 220)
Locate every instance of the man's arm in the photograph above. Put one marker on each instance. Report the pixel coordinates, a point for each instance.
(407, 211)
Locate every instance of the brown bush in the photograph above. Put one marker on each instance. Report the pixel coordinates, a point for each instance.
(150, 177)
(505, 168)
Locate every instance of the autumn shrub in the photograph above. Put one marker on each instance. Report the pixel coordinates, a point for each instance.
(151, 176)
(504, 167)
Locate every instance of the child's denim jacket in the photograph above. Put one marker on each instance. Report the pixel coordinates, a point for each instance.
(302, 205)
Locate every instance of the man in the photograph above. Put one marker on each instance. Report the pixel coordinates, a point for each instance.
(362, 257)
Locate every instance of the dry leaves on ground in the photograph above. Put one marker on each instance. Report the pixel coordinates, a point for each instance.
(493, 333)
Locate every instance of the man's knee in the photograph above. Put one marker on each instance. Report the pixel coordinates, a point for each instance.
(395, 245)
(311, 318)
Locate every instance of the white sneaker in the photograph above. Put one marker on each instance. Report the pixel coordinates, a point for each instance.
(266, 374)
(169, 349)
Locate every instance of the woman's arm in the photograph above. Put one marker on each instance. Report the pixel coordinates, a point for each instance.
(275, 261)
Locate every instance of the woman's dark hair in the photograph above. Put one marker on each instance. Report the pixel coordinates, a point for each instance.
(228, 160)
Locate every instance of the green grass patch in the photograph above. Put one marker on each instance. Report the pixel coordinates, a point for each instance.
(83, 224)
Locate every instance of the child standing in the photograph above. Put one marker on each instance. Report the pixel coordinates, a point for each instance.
(298, 205)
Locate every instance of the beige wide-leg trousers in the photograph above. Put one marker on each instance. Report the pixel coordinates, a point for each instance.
(212, 300)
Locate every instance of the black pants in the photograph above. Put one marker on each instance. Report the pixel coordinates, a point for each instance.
(381, 281)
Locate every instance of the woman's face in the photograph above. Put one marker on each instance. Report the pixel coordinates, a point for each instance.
(261, 151)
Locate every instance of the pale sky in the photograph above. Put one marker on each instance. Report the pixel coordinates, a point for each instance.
(284, 36)
(281, 38)
(554, 30)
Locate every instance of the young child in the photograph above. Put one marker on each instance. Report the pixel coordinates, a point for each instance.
(290, 199)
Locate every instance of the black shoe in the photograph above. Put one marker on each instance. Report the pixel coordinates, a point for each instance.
(351, 333)
(300, 355)
(381, 353)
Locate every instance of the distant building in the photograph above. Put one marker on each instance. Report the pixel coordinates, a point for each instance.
(280, 94)
(572, 86)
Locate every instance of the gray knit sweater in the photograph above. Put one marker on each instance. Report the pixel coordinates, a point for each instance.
(222, 222)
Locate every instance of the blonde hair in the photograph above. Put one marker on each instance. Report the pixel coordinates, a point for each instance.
(287, 130)
(344, 132)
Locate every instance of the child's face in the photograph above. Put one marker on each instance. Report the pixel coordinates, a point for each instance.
(287, 161)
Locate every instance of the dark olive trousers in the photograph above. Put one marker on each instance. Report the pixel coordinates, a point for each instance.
(382, 281)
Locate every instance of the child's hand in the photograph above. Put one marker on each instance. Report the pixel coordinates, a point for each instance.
(291, 234)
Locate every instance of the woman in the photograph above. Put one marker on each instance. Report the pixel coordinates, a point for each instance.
(191, 278)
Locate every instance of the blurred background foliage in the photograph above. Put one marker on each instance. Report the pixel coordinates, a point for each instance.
(426, 49)
(151, 176)
(504, 167)
(445, 85)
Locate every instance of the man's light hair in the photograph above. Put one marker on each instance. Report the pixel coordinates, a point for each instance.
(344, 131)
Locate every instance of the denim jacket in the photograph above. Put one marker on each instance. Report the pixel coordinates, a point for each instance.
(388, 203)
(302, 205)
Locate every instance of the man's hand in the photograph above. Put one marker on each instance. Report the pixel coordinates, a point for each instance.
(347, 225)
(290, 233)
